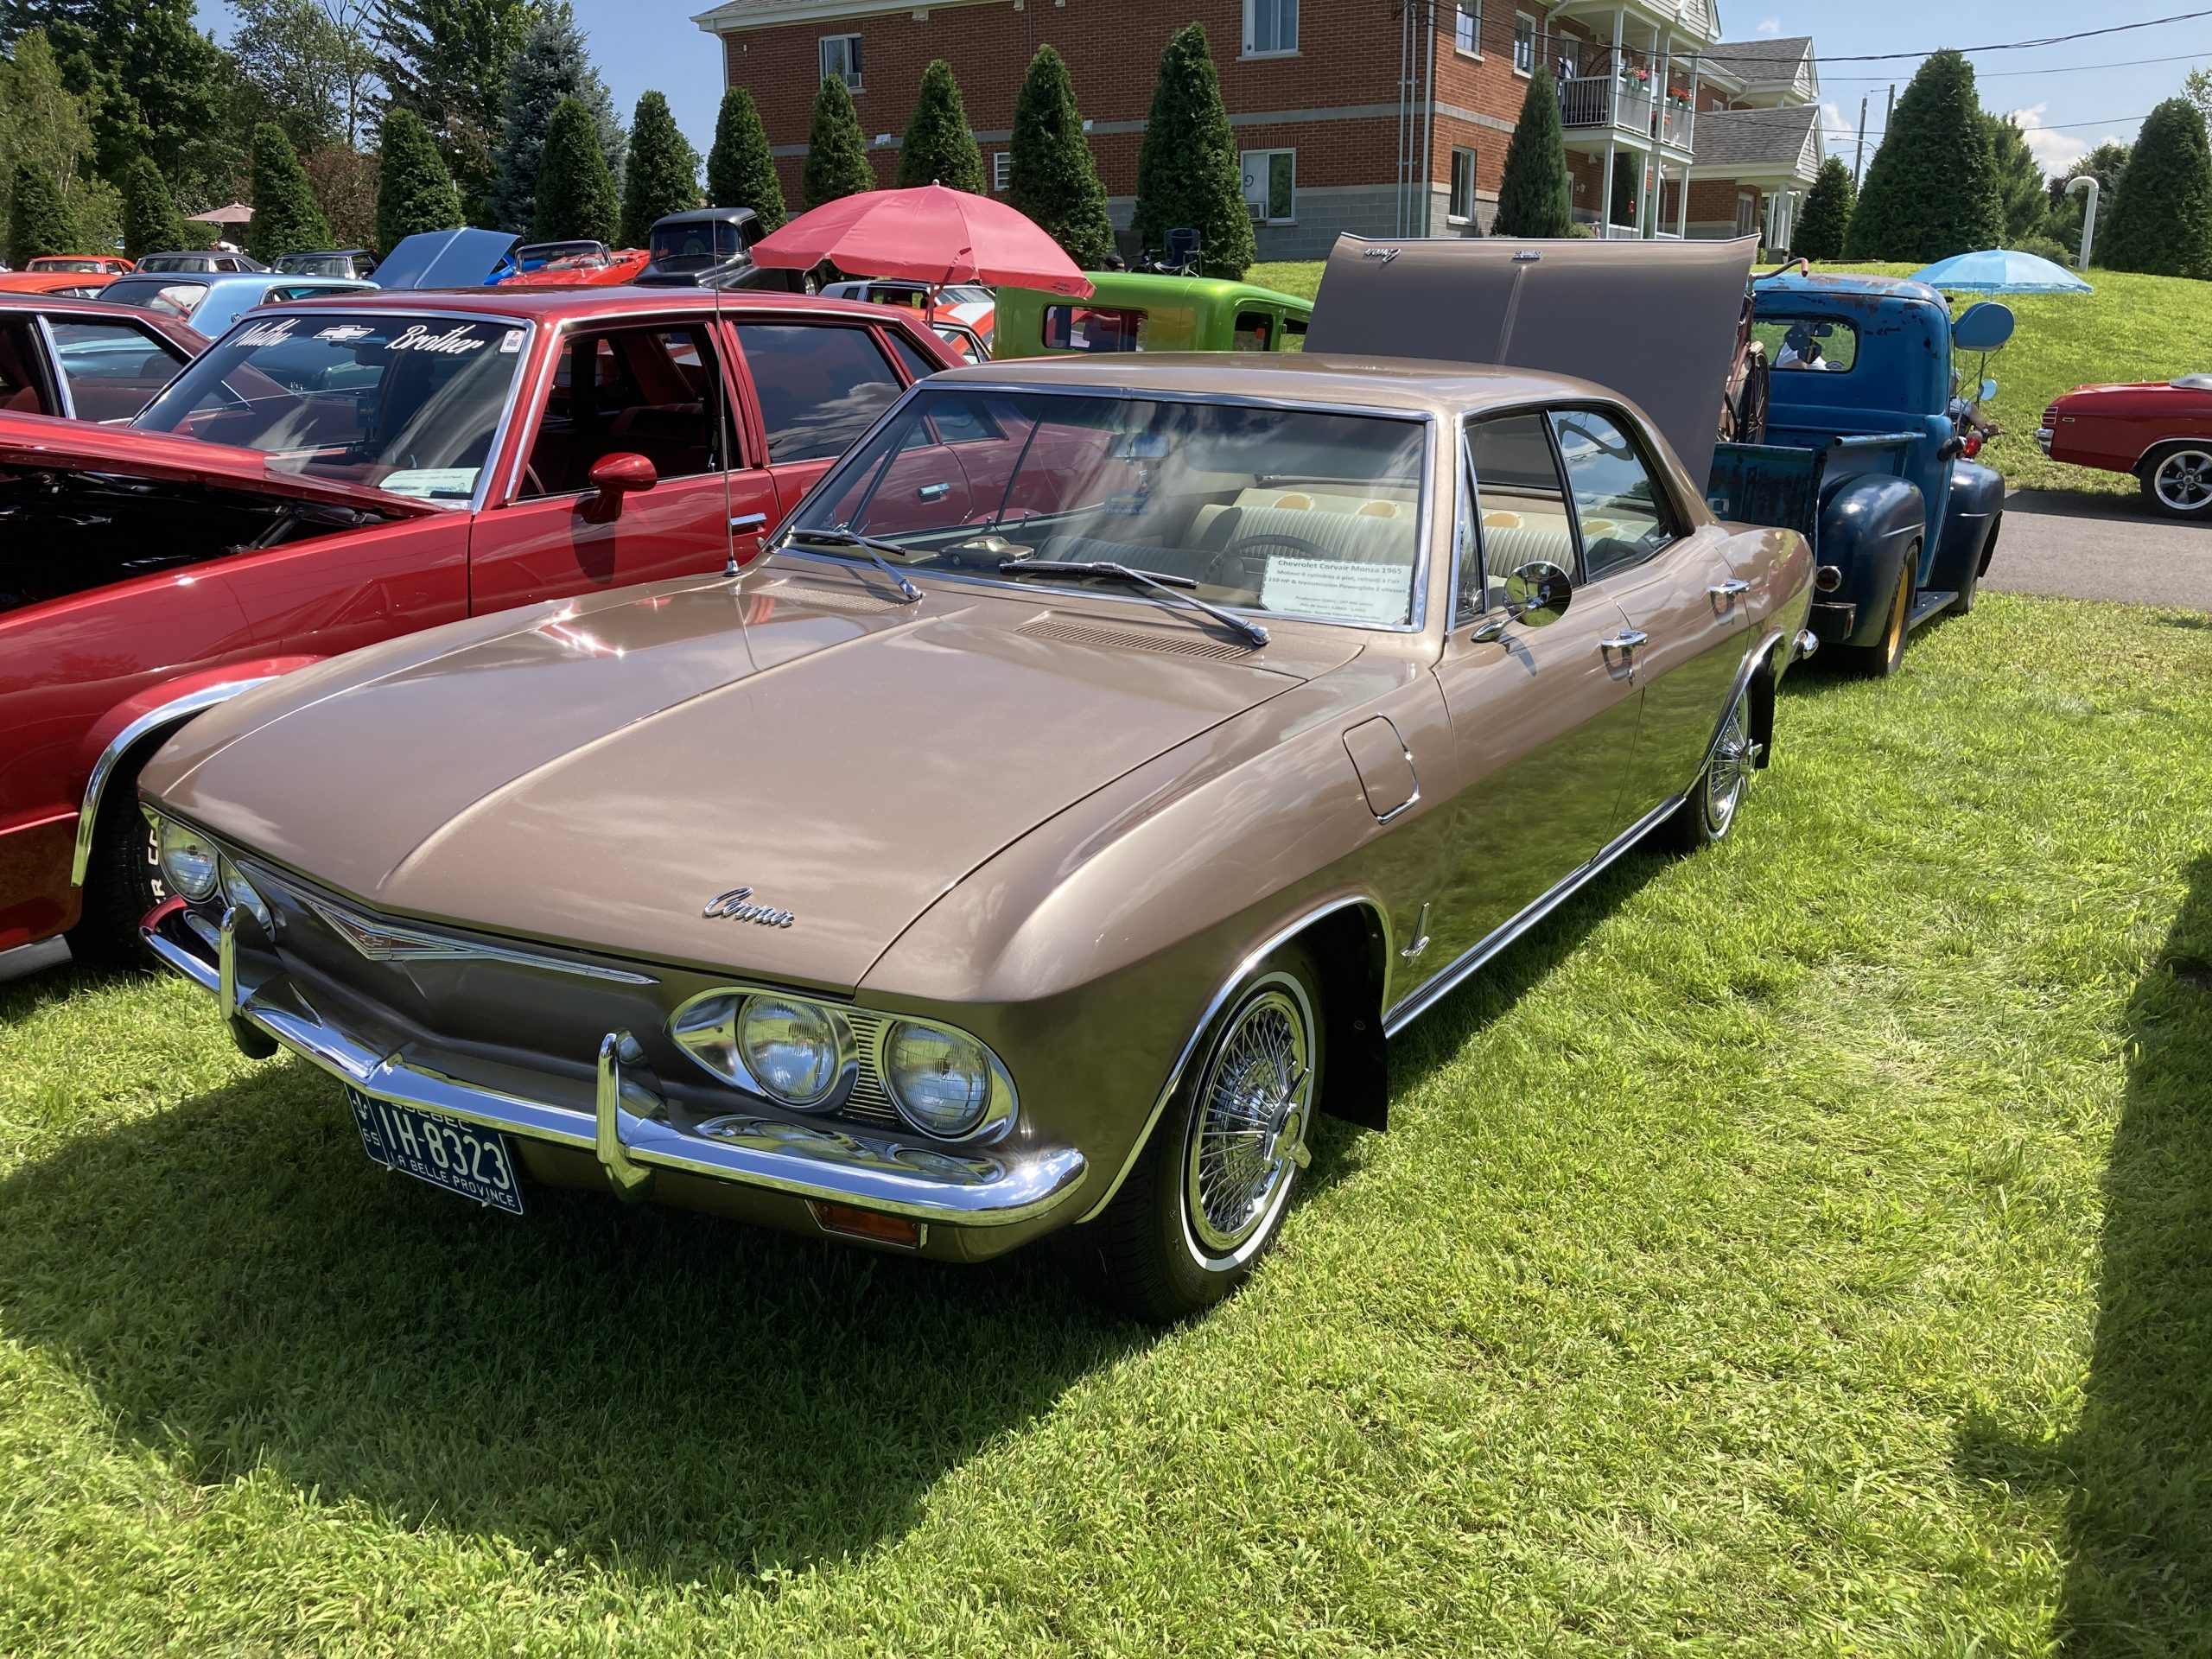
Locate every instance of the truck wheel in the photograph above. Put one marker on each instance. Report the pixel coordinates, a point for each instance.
(1883, 658)
(123, 882)
(1976, 571)
(1208, 1193)
(2177, 481)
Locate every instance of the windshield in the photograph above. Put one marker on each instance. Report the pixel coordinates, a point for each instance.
(1299, 512)
(408, 405)
(697, 246)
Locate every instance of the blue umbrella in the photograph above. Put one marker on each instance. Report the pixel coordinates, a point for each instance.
(2000, 270)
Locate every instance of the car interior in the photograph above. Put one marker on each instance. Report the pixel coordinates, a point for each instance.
(22, 383)
(647, 391)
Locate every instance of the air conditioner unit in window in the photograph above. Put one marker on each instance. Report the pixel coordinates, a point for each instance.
(1257, 212)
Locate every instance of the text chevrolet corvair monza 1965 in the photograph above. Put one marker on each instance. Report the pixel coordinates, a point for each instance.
(1107, 758)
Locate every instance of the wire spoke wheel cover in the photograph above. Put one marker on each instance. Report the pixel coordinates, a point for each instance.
(1728, 774)
(1246, 1136)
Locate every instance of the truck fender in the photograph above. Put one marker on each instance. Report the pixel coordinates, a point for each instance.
(1868, 523)
(1977, 497)
(121, 740)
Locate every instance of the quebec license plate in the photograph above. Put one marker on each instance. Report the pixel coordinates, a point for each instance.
(476, 1163)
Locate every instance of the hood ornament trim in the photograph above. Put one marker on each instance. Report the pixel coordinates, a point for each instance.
(737, 905)
(382, 941)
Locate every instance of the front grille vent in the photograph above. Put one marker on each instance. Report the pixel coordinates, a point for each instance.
(869, 1101)
(1116, 637)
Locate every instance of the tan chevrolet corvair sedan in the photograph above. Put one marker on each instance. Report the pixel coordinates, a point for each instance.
(1110, 757)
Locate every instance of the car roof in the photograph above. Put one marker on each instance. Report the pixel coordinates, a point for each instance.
(1849, 281)
(520, 303)
(705, 216)
(1381, 383)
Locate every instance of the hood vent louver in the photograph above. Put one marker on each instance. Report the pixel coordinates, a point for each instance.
(857, 600)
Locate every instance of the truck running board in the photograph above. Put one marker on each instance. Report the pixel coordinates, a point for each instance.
(1930, 601)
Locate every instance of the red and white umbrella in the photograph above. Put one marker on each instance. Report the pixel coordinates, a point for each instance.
(930, 235)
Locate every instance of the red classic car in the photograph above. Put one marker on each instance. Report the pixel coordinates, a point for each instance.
(332, 473)
(84, 360)
(2161, 431)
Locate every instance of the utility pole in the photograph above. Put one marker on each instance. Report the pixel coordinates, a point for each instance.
(1858, 161)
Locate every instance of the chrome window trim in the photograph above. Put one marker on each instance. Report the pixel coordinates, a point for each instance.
(175, 710)
(52, 349)
(1423, 524)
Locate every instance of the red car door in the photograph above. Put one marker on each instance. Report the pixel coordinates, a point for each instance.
(658, 389)
(817, 385)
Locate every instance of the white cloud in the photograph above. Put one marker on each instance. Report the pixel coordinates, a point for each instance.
(2054, 152)
(1771, 28)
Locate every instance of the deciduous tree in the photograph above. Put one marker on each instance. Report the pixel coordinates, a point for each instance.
(836, 157)
(2161, 219)
(286, 216)
(1053, 176)
(1532, 197)
(575, 193)
(1187, 174)
(938, 148)
(448, 61)
(414, 191)
(309, 67)
(344, 182)
(552, 65)
(1931, 189)
(741, 167)
(1825, 219)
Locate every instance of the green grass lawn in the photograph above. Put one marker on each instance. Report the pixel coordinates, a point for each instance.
(1801, 1249)
(2130, 328)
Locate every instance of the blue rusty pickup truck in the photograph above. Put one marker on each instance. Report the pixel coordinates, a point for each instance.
(1865, 449)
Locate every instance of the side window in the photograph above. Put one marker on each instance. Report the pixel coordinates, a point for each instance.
(1093, 328)
(820, 386)
(1521, 512)
(655, 392)
(1823, 343)
(21, 386)
(1625, 515)
(918, 366)
(111, 368)
(1254, 332)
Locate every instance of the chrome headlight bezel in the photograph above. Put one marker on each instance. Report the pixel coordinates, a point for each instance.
(171, 834)
(705, 1027)
(994, 1107)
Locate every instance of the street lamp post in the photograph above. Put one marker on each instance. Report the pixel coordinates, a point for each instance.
(2088, 217)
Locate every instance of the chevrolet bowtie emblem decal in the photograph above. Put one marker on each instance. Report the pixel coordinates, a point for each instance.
(737, 905)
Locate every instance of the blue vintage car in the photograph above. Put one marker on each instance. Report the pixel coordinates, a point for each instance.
(1865, 451)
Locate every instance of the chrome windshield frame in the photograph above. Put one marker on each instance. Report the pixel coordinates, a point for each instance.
(1424, 521)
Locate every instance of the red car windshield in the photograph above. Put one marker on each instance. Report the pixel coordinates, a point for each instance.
(405, 403)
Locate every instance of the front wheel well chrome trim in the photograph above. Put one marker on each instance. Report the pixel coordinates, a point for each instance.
(174, 712)
(1245, 965)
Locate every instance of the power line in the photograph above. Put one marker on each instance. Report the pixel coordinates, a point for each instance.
(2021, 46)
(2054, 69)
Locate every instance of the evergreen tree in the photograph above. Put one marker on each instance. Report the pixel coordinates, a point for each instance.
(2161, 215)
(414, 191)
(741, 167)
(1931, 189)
(664, 175)
(1054, 177)
(575, 193)
(552, 65)
(448, 61)
(151, 223)
(38, 219)
(938, 148)
(1187, 174)
(286, 216)
(1825, 219)
(836, 157)
(2022, 199)
(1532, 197)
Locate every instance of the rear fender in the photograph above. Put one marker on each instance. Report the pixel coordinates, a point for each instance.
(1868, 525)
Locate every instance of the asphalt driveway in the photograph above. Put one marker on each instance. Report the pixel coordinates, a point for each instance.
(2074, 546)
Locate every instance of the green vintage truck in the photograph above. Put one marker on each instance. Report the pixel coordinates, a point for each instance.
(1130, 311)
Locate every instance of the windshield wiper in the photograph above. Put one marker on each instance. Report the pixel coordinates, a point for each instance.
(1172, 587)
(867, 544)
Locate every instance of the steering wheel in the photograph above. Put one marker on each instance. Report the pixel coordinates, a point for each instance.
(1269, 538)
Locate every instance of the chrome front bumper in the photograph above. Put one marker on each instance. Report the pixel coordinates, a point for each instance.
(2043, 436)
(631, 1132)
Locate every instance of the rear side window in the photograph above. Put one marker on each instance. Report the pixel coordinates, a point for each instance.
(820, 386)
(1522, 513)
(918, 365)
(175, 296)
(1093, 328)
(1254, 332)
(1826, 344)
(21, 392)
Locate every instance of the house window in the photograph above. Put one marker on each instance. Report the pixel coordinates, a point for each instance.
(1002, 168)
(1524, 44)
(1467, 31)
(1747, 213)
(841, 57)
(1461, 208)
(1270, 26)
(1271, 185)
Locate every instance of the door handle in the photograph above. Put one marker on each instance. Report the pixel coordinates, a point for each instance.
(933, 492)
(745, 521)
(1729, 588)
(1626, 640)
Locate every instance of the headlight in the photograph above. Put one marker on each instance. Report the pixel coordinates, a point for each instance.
(940, 1080)
(238, 893)
(796, 1051)
(188, 860)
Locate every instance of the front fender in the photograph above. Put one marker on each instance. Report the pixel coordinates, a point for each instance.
(1977, 497)
(1869, 523)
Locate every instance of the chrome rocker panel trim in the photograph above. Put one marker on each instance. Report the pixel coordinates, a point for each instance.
(627, 1130)
(177, 709)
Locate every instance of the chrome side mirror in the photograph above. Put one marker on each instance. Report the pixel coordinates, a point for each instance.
(1536, 595)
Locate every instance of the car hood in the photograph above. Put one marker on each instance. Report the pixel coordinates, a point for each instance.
(595, 777)
(45, 443)
(461, 258)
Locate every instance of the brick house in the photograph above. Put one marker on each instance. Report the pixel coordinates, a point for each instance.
(1387, 117)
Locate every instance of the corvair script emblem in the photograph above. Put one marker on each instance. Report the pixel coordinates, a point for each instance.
(737, 905)
(1386, 255)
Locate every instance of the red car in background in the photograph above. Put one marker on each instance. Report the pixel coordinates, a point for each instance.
(2161, 431)
(86, 360)
(100, 264)
(332, 473)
